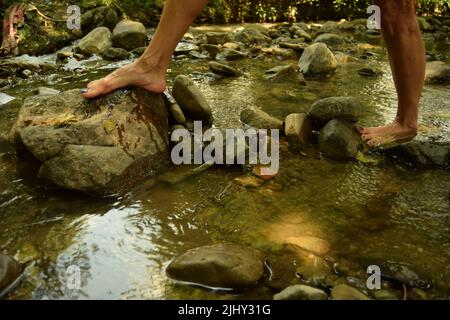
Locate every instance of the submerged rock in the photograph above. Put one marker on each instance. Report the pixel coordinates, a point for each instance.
(259, 119)
(339, 140)
(10, 272)
(95, 42)
(279, 72)
(405, 274)
(301, 292)
(44, 91)
(191, 100)
(437, 72)
(346, 292)
(423, 153)
(223, 69)
(99, 146)
(222, 266)
(343, 108)
(317, 60)
(129, 35)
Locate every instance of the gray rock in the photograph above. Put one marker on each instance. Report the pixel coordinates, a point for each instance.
(185, 48)
(177, 114)
(330, 39)
(279, 72)
(437, 72)
(344, 108)
(212, 49)
(404, 273)
(423, 153)
(129, 35)
(313, 270)
(329, 27)
(346, 292)
(300, 32)
(339, 140)
(191, 100)
(317, 60)
(64, 55)
(114, 54)
(301, 292)
(259, 119)
(104, 16)
(222, 265)
(298, 129)
(217, 37)
(44, 91)
(5, 98)
(100, 146)
(95, 42)
(10, 272)
(223, 69)
(230, 54)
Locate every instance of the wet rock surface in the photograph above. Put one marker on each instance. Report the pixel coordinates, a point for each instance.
(339, 140)
(99, 147)
(95, 42)
(222, 265)
(317, 60)
(343, 108)
(129, 35)
(422, 153)
(259, 119)
(301, 292)
(10, 271)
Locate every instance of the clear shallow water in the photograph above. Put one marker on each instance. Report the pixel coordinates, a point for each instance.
(122, 245)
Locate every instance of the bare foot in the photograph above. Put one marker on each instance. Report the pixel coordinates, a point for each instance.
(140, 74)
(391, 133)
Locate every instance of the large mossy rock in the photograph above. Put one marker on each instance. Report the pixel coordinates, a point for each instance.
(222, 266)
(100, 146)
(103, 16)
(343, 108)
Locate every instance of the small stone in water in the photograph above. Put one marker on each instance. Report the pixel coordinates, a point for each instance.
(301, 292)
(249, 181)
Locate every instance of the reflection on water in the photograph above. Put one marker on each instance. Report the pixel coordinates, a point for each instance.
(122, 245)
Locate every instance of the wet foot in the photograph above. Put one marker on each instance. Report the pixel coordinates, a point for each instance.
(138, 74)
(386, 135)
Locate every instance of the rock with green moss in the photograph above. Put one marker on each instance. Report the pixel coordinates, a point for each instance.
(103, 16)
(10, 271)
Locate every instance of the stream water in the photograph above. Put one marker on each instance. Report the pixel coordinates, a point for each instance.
(384, 212)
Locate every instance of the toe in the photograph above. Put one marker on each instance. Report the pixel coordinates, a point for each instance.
(94, 89)
(367, 137)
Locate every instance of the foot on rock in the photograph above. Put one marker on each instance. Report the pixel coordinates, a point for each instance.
(138, 74)
(387, 136)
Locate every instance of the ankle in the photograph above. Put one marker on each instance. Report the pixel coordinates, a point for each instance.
(410, 124)
(151, 60)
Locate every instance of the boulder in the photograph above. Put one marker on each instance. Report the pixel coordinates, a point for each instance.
(259, 119)
(346, 292)
(114, 54)
(95, 42)
(437, 72)
(339, 140)
(223, 69)
(330, 39)
(298, 129)
(251, 37)
(101, 146)
(317, 60)
(220, 266)
(301, 292)
(344, 108)
(191, 100)
(129, 35)
(10, 274)
(99, 17)
(299, 32)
